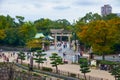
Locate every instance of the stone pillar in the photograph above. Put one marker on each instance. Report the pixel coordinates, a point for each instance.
(55, 40)
(69, 41)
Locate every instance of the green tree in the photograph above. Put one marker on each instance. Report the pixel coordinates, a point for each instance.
(34, 44)
(2, 34)
(6, 22)
(84, 66)
(21, 56)
(11, 37)
(39, 57)
(99, 35)
(56, 60)
(90, 17)
(26, 32)
(109, 16)
(20, 20)
(44, 25)
(116, 71)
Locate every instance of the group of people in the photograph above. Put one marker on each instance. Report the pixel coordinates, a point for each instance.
(61, 46)
(5, 58)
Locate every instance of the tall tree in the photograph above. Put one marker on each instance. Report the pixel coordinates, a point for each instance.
(99, 35)
(109, 16)
(2, 34)
(55, 60)
(26, 31)
(11, 36)
(20, 20)
(90, 17)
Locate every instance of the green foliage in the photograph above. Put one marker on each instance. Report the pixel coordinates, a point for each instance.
(44, 25)
(2, 34)
(56, 60)
(20, 19)
(21, 55)
(84, 66)
(13, 33)
(17, 32)
(34, 44)
(46, 43)
(39, 57)
(107, 27)
(73, 75)
(107, 36)
(26, 32)
(36, 74)
(110, 16)
(116, 72)
(107, 62)
(90, 17)
(47, 69)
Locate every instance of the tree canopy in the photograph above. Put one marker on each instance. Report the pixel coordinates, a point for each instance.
(100, 34)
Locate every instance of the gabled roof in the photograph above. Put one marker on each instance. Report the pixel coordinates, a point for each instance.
(49, 37)
(39, 35)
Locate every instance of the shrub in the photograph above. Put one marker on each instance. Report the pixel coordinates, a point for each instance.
(47, 69)
(108, 62)
(73, 75)
(35, 74)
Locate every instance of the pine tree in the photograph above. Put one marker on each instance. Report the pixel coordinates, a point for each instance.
(39, 57)
(21, 56)
(84, 66)
(116, 72)
(56, 60)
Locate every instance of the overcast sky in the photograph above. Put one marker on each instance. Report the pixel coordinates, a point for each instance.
(55, 9)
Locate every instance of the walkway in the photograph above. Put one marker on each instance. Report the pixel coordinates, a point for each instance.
(73, 68)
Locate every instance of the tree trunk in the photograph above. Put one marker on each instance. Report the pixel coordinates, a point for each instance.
(38, 65)
(103, 57)
(21, 61)
(85, 76)
(56, 69)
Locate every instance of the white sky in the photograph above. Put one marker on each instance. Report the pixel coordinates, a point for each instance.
(55, 9)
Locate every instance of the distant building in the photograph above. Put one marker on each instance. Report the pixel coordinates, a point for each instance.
(106, 9)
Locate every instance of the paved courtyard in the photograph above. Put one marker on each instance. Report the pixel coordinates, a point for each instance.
(74, 68)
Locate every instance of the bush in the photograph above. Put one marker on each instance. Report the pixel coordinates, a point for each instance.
(47, 69)
(107, 62)
(23, 71)
(35, 74)
(73, 75)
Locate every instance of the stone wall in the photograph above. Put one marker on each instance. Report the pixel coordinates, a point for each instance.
(7, 72)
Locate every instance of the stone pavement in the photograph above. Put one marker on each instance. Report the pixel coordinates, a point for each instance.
(73, 68)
